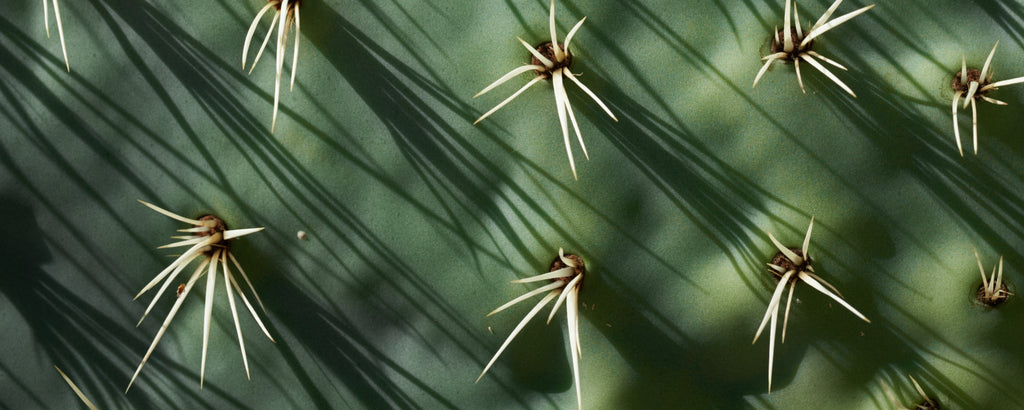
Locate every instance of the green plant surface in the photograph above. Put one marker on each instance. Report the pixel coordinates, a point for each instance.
(417, 220)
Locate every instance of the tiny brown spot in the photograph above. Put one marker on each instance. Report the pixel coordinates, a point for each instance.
(548, 51)
(996, 299)
(291, 4)
(580, 268)
(557, 264)
(779, 46)
(972, 75)
(219, 226)
(782, 261)
(181, 288)
(927, 405)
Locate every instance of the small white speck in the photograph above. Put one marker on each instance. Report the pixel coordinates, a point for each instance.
(301, 235)
(489, 330)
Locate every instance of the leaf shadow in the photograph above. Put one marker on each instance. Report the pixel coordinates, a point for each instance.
(212, 84)
(975, 191)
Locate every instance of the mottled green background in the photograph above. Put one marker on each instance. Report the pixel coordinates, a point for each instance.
(417, 219)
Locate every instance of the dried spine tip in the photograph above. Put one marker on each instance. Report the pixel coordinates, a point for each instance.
(60, 29)
(78, 392)
(291, 17)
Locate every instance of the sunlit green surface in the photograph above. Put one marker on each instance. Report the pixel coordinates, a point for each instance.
(417, 219)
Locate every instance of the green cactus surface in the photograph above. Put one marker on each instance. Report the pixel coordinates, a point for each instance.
(415, 220)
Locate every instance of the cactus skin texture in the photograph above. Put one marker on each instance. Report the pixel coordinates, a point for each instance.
(416, 220)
